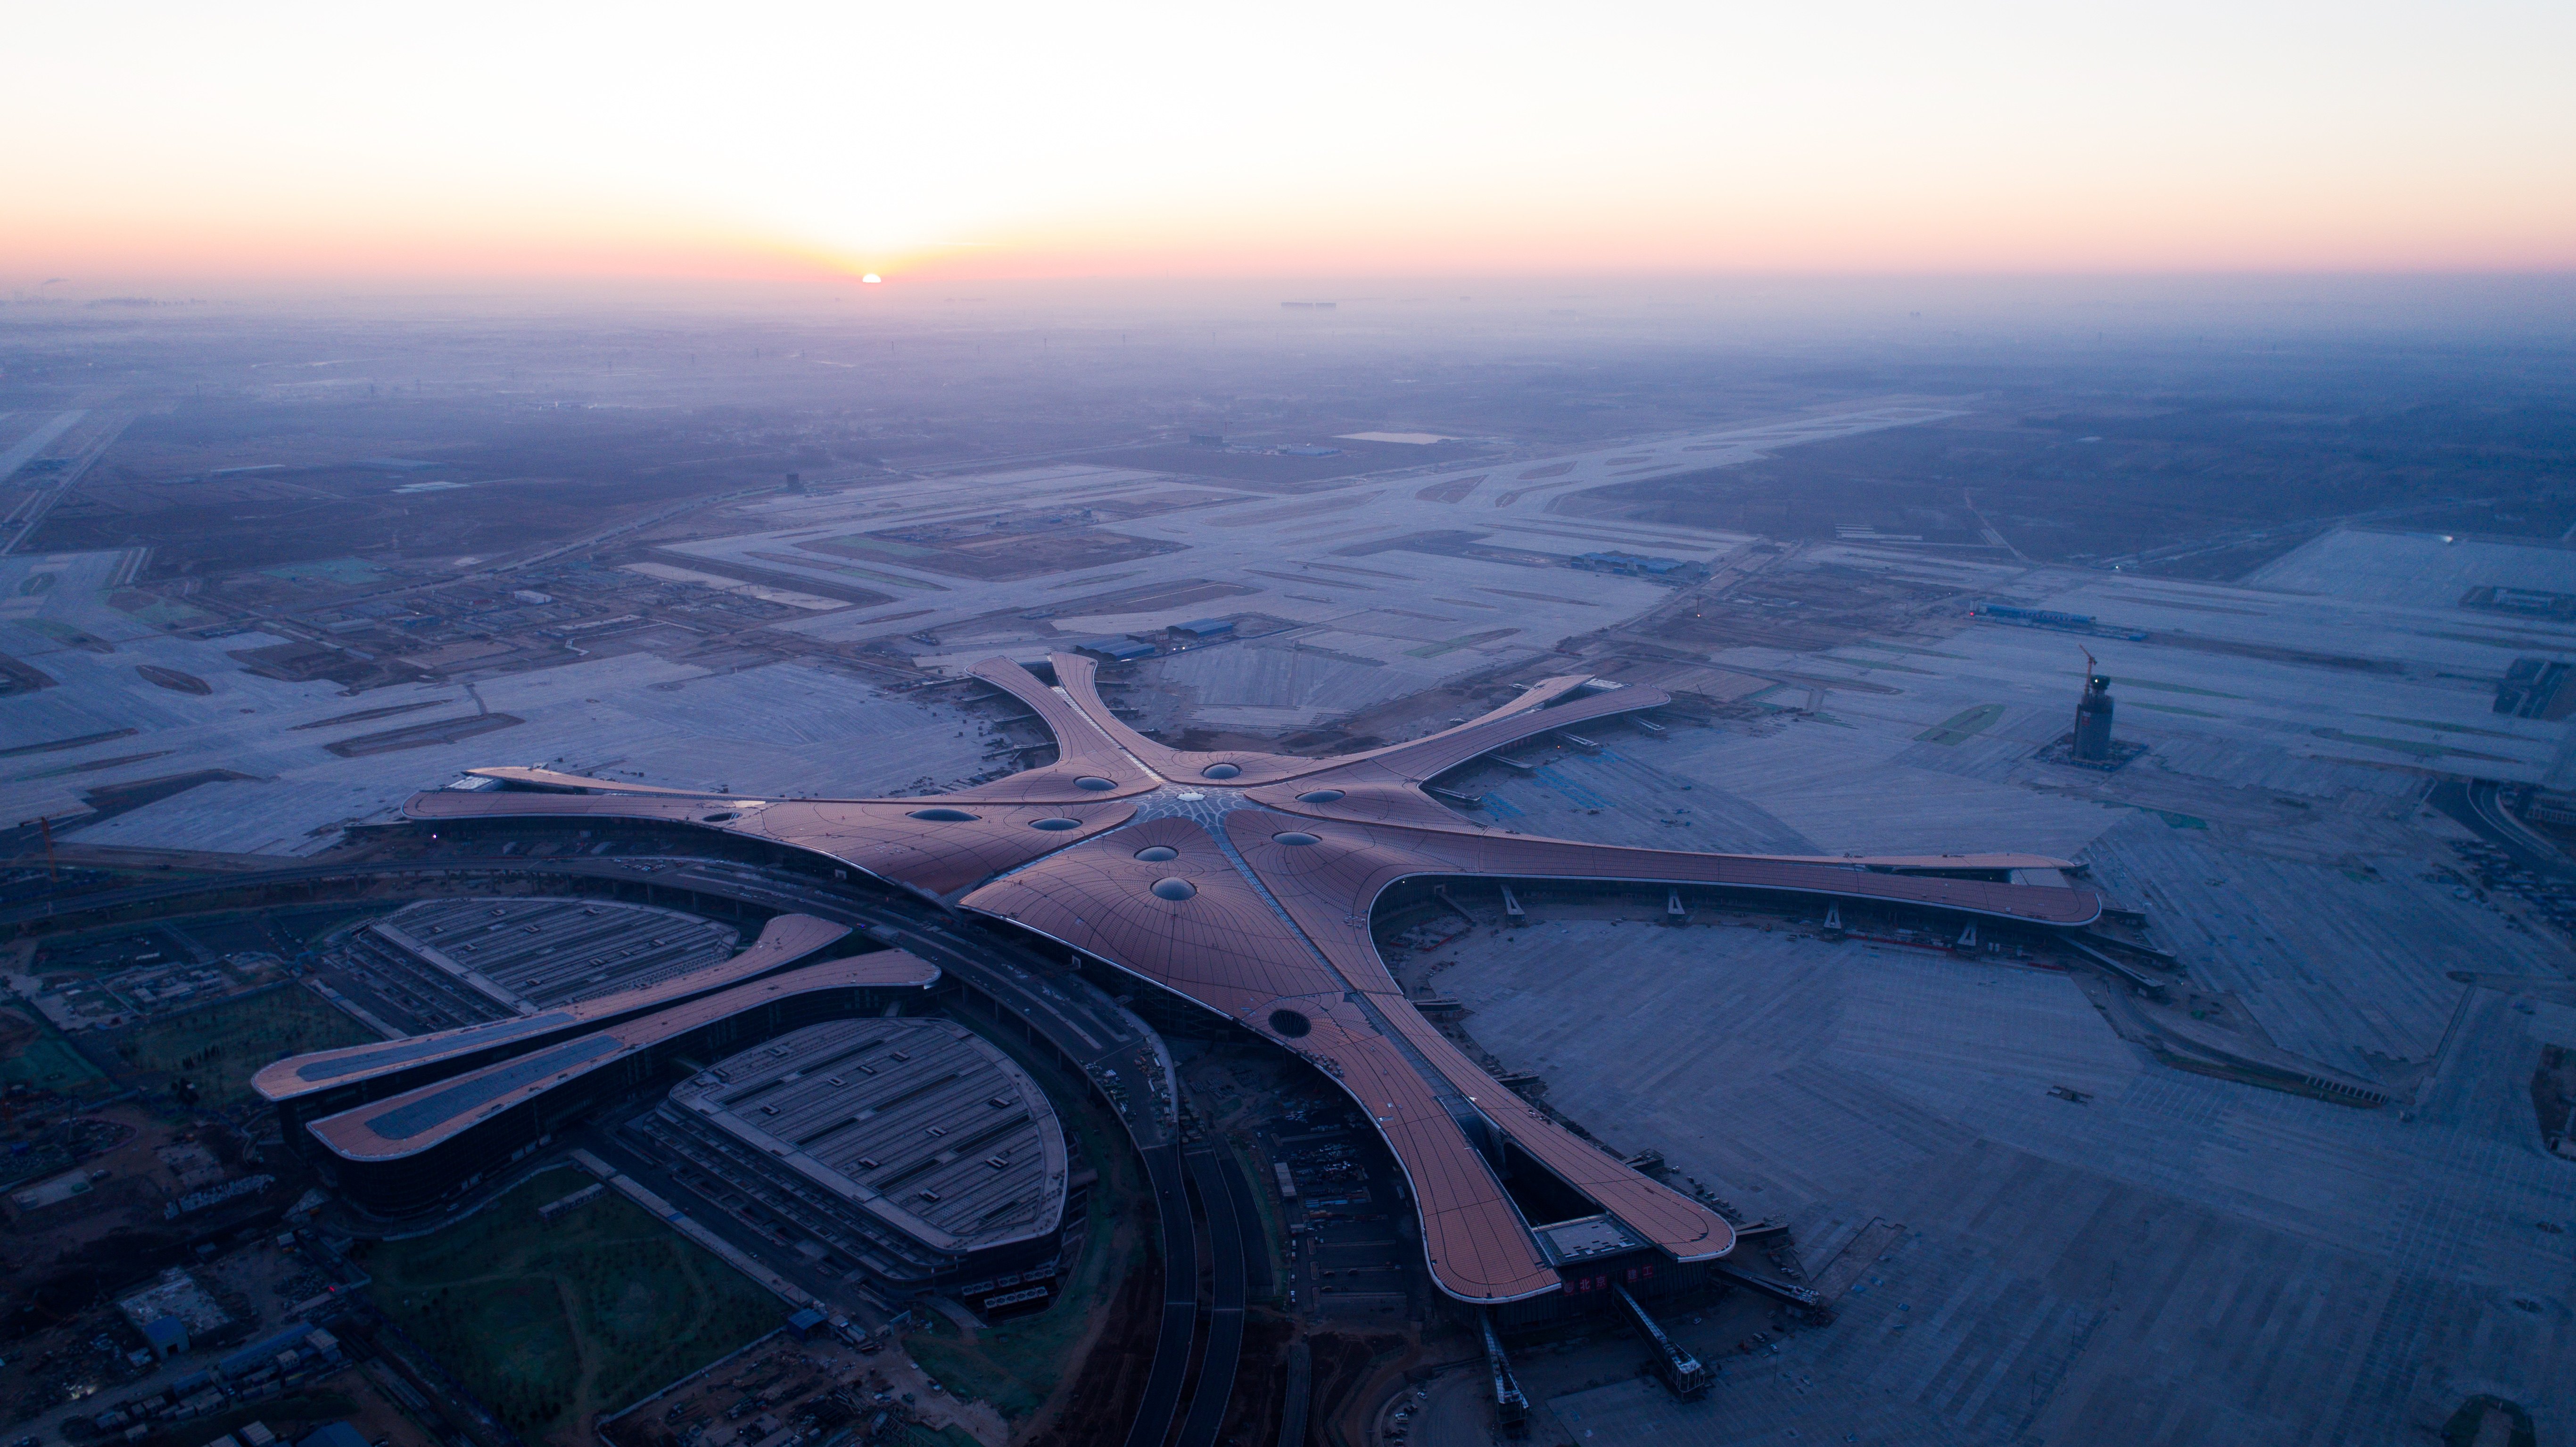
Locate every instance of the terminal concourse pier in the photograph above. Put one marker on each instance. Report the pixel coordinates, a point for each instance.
(1243, 883)
(411, 1151)
(326, 1082)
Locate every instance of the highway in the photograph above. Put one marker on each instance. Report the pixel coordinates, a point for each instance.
(1180, 1300)
(1225, 1321)
(2478, 805)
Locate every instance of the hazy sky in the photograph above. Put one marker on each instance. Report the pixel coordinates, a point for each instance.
(275, 141)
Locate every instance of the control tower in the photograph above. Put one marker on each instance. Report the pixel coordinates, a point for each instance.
(2093, 720)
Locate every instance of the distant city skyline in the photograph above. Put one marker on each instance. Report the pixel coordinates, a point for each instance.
(300, 143)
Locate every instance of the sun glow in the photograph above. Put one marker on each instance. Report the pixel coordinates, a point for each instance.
(310, 140)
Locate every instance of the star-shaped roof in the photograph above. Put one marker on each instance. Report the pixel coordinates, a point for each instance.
(1243, 881)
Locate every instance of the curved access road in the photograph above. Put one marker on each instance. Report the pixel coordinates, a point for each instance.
(1180, 1300)
(1225, 1323)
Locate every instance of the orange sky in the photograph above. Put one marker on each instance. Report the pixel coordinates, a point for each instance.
(161, 144)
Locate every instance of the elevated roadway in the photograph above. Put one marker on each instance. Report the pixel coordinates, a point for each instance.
(1225, 1320)
(2480, 805)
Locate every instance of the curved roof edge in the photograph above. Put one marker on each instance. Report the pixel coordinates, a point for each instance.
(783, 941)
(1079, 677)
(1332, 1072)
(430, 1115)
(544, 778)
(691, 1096)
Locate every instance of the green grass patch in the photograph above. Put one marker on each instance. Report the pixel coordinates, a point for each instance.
(221, 1046)
(34, 1053)
(1963, 726)
(1265, 1203)
(551, 1323)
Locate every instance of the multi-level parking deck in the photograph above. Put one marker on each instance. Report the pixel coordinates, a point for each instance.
(461, 961)
(911, 1148)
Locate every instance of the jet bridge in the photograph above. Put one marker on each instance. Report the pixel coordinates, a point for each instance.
(1681, 1371)
(1511, 1406)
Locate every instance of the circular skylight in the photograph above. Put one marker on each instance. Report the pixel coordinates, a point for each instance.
(1157, 853)
(1293, 838)
(1094, 783)
(943, 816)
(1319, 796)
(1221, 771)
(1055, 825)
(1174, 889)
(1289, 1023)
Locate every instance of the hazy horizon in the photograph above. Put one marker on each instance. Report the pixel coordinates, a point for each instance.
(1913, 310)
(321, 146)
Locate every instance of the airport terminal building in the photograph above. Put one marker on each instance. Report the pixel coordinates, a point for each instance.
(1243, 883)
